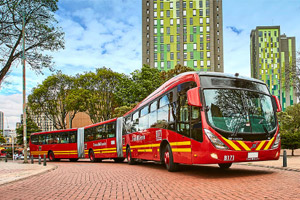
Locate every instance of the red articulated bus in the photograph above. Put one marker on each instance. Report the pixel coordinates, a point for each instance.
(3, 152)
(204, 118)
(56, 145)
(100, 141)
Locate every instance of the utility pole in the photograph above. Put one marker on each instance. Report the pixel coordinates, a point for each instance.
(24, 92)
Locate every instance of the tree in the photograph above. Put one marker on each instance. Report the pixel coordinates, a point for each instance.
(51, 98)
(290, 127)
(97, 93)
(166, 75)
(41, 33)
(31, 128)
(2, 139)
(120, 111)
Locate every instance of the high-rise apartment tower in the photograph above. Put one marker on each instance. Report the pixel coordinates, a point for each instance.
(186, 32)
(273, 59)
(1, 122)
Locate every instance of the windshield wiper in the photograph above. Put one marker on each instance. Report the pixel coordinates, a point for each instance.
(264, 127)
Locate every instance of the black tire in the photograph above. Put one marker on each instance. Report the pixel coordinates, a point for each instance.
(130, 160)
(92, 156)
(119, 160)
(168, 159)
(225, 165)
(73, 159)
(51, 156)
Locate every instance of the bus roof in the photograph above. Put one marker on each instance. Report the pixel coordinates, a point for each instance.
(100, 123)
(56, 131)
(184, 77)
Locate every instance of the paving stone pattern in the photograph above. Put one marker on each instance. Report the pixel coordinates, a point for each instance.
(108, 180)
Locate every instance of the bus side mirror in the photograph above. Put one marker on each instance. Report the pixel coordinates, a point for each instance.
(193, 96)
(279, 109)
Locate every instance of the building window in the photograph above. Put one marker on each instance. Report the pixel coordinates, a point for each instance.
(184, 29)
(201, 38)
(155, 5)
(168, 47)
(161, 30)
(177, 4)
(208, 63)
(207, 20)
(207, 3)
(178, 21)
(172, 38)
(155, 47)
(155, 39)
(200, 4)
(148, 44)
(201, 12)
(208, 46)
(195, 29)
(155, 64)
(155, 14)
(148, 11)
(171, 22)
(201, 20)
(161, 5)
(178, 47)
(168, 64)
(148, 19)
(207, 29)
(184, 21)
(148, 28)
(177, 13)
(191, 21)
(161, 13)
(185, 55)
(191, 38)
(148, 35)
(184, 4)
(201, 29)
(168, 30)
(147, 3)
(155, 30)
(161, 22)
(218, 25)
(208, 37)
(178, 55)
(185, 47)
(191, 55)
(208, 54)
(168, 13)
(162, 64)
(191, 4)
(217, 8)
(161, 47)
(155, 22)
(218, 57)
(207, 12)
(161, 39)
(155, 56)
(184, 38)
(162, 56)
(194, 12)
(172, 56)
(178, 29)
(184, 13)
(171, 5)
(195, 63)
(185, 63)
(201, 46)
(195, 46)
(201, 63)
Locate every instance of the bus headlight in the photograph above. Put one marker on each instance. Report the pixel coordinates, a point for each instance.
(276, 143)
(215, 140)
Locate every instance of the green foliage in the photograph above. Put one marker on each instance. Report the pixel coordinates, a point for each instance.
(52, 98)
(120, 111)
(165, 76)
(290, 127)
(42, 33)
(2, 139)
(31, 128)
(96, 93)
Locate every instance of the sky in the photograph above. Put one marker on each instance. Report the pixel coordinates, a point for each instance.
(109, 33)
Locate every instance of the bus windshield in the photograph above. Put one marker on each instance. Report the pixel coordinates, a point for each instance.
(239, 111)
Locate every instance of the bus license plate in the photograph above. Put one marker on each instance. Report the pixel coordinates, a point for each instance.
(253, 156)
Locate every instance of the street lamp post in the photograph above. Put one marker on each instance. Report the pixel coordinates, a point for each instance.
(12, 144)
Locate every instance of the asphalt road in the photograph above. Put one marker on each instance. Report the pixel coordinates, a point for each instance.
(108, 180)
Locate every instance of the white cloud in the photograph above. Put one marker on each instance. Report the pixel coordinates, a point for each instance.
(11, 106)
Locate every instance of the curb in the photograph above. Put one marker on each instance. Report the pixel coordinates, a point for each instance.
(54, 167)
(273, 167)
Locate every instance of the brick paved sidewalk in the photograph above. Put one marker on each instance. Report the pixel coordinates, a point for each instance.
(293, 162)
(15, 170)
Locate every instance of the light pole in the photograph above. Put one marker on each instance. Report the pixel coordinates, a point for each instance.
(12, 144)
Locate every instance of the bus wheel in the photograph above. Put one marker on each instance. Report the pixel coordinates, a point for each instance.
(224, 165)
(73, 159)
(168, 159)
(92, 156)
(51, 156)
(131, 161)
(119, 160)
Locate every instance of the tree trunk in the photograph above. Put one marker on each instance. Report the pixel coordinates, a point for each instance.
(292, 152)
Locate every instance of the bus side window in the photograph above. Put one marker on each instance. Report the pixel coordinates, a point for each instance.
(72, 137)
(127, 125)
(55, 139)
(104, 131)
(144, 119)
(153, 115)
(65, 138)
(135, 120)
(49, 139)
(98, 135)
(111, 130)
